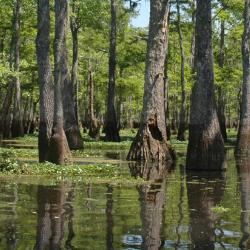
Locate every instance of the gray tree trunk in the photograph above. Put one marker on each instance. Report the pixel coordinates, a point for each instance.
(45, 79)
(221, 98)
(94, 125)
(150, 143)
(17, 123)
(59, 152)
(111, 125)
(70, 89)
(182, 116)
(206, 146)
(243, 144)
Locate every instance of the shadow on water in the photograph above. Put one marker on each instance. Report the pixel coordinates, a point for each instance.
(54, 212)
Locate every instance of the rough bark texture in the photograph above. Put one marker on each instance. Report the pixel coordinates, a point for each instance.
(206, 145)
(202, 197)
(59, 152)
(70, 88)
(6, 112)
(94, 125)
(243, 144)
(45, 79)
(17, 123)
(111, 125)
(182, 119)
(192, 47)
(150, 143)
(221, 98)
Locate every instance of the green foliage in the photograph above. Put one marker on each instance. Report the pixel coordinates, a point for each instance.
(8, 161)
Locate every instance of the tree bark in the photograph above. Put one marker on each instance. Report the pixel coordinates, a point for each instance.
(111, 125)
(206, 146)
(192, 48)
(150, 143)
(70, 92)
(221, 98)
(46, 87)
(243, 143)
(94, 125)
(182, 119)
(17, 123)
(5, 122)
(59, 152)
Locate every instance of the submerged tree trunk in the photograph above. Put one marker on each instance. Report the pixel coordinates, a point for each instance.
(150, 143)
(206, 146)
(221, 98)
(59, 152)
(111, 125)
(45, 79)
(17, 123)
(243, 144)
(182, 119)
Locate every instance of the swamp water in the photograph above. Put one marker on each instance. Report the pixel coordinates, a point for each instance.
(182, 211)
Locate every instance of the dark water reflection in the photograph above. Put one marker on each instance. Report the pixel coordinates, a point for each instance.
(178, 210)
(204, 193)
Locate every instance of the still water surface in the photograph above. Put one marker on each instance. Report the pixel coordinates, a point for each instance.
(182, 211)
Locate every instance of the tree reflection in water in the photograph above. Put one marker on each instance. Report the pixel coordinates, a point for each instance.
(243, 166)
(54, 209)
(152, 201)
(204, 190)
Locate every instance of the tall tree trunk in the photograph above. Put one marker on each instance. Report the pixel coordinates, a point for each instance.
(59, 152)
(17, 123)
(182, 119)
(166, 85)
(192, 48)
(150, 143)
(46, 87)
(70, 92)
(5, 123)
(94, 125)
(221, 98)
(243, 143)
(206, 145)
(111, 125)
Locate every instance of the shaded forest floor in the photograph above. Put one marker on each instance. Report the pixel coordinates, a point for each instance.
(99, 162)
